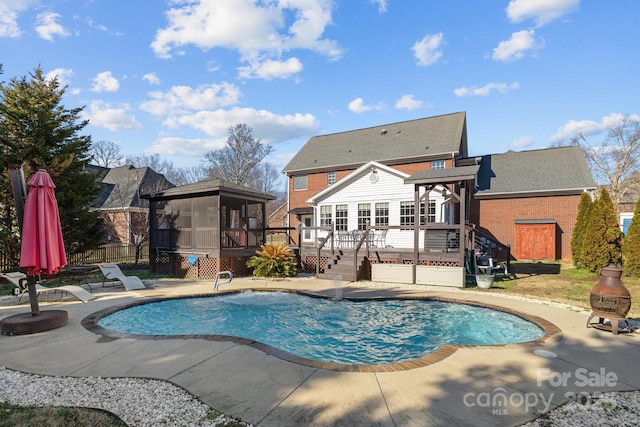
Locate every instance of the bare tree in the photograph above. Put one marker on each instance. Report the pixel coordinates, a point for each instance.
(106, 154)
(235, 162)
(614, 160)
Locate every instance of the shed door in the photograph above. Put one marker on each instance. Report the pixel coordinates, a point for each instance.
(535, 241)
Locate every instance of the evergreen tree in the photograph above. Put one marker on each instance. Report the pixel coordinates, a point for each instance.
(38, 132)
(631, 245)
(603, 238)
(580, 229)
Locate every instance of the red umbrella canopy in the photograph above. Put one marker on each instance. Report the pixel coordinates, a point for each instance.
(42, 250)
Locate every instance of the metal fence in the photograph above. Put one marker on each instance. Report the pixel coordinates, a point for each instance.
(110, 253)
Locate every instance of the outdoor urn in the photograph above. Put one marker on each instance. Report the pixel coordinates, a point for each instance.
(609, 298)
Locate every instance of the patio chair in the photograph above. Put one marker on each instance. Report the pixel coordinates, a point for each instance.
(17, 277)
(113, 273)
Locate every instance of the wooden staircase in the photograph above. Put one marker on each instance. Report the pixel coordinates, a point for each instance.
(341, 264)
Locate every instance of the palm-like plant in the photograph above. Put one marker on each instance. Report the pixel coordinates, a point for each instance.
(273, 260)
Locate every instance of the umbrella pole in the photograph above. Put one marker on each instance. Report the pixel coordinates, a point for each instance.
(33, 295)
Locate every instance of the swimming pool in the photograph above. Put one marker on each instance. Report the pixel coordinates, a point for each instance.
(353, 332)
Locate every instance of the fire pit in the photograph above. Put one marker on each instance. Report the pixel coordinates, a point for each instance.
(609, 299)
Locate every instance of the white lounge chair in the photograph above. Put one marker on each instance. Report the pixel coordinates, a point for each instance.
(113, 272)
(15, 278)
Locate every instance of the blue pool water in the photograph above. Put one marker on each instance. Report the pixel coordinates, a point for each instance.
(348, 332)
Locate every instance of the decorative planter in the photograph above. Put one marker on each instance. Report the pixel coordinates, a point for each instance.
(435, 275)
(485, 281)
(393, 273)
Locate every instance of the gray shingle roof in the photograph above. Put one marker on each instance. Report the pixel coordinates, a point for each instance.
(123, 185)
(209, 186)
(438, 176)
(551, 170)
(422, 138)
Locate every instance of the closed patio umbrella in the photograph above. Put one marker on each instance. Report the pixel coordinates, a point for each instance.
(42, 250)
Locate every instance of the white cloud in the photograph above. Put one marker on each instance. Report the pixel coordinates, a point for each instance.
(516, 46)
(522, 142)
(276, 27)
(9, 11)
(382, 5)
(271, 69)
(181, 99)
(102, 114)
(408, 102)
(176, 146)
(63, 75)
(151, 78)
(588, 127)
(486, 89)
(105, 82)
(47, 27)
(427, 51)
(541, 11)
(358, 106)
(267, 126)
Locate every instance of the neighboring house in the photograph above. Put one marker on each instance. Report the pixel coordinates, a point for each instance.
(627, 205)
(200, 229)
(125, 213)
(375, 177)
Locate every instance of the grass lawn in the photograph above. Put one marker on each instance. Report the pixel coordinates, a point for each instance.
(560, 282)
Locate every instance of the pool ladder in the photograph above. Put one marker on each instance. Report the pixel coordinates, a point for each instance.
(218, 282)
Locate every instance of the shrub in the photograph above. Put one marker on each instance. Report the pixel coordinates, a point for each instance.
(580, 230)
(274, 260)
(631, 245)
(603, 239)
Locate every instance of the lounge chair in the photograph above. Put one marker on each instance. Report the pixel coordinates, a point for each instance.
(16, 279)
(112, 272)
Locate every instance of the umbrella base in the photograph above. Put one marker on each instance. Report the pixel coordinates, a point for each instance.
(25, 323)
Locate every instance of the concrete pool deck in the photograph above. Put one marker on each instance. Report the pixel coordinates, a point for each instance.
(499, 386)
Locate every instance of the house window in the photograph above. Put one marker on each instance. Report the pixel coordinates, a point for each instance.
(431, 214)
(406, 213)
(300, 182)
(331, 177)
(382, 213)
(364, 215)
(342, 218)
(437, 164)
(325, 216)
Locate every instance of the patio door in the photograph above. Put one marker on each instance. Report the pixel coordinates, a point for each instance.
(307, 235)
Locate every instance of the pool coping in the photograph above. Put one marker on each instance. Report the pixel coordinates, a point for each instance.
(552, 333)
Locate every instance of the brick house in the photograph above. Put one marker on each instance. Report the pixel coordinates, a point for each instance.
(513, 199)
(124, 212)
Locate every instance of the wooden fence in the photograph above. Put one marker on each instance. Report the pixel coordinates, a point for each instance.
(110, 253)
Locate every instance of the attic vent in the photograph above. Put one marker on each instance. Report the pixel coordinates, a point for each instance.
(383, 132)
(398, 130)
(349, 150)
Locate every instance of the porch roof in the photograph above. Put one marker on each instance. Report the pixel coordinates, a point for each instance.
(439, 176)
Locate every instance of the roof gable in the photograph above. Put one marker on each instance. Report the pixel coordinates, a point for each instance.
(413, 140)
(353, 176)
(559, 170)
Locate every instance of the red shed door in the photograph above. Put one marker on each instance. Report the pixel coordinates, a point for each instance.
(535, 241)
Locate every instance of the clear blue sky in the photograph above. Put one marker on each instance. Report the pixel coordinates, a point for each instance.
(171, 76)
